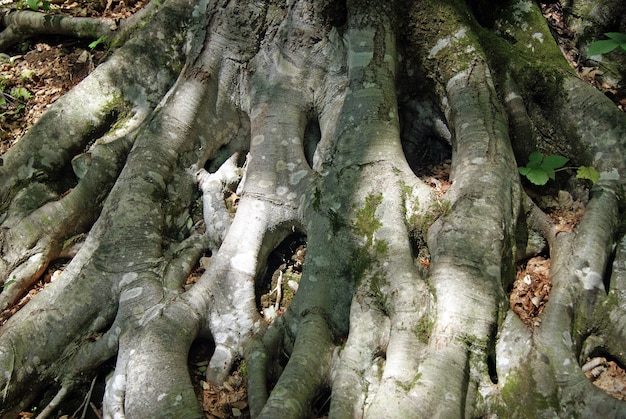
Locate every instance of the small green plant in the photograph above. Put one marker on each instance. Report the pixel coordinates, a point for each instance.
(21, 93)
(616, 41)
(540, 168)
(97, 42)
(3, 86)
(27, 74)
(36, 5)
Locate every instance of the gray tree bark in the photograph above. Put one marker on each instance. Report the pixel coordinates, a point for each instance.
(312, 111)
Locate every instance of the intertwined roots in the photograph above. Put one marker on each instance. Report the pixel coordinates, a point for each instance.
(297, 110)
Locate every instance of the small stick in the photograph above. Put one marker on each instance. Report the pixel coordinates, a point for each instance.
(279, 290)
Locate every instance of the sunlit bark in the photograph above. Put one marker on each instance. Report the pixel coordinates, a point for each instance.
(310, 112)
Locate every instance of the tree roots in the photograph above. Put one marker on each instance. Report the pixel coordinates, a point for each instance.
(308, 93)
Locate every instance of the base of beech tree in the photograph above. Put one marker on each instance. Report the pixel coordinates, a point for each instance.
(309, 112)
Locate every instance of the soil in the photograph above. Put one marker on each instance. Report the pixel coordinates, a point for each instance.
(586, 69)
(37, 71)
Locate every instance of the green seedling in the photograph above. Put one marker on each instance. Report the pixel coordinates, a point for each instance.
(540, 168)
(38, 4)
(21, 93)
(97, 42)
(616, 41)
(27, 74)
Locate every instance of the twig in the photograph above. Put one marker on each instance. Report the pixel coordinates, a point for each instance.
(279, 290)
(96, 411)
(86, 400)
(54, 403)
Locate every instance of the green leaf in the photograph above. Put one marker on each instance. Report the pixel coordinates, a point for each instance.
(602, 47)
(33, 4)
(524, 170)
(27, 74)
(535, 156)
(45, 6)
(21, 93)
(553, 162)
(97, 42)
(537, 176)
(617, 36)
(588, 172)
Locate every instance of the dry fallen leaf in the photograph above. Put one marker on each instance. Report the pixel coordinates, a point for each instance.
(531, 290)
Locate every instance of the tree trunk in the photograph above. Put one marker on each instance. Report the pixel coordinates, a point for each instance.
(326, 119)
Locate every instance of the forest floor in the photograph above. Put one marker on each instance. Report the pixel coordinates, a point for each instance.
(39, 70)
